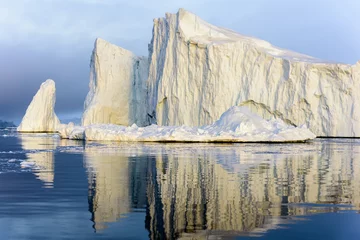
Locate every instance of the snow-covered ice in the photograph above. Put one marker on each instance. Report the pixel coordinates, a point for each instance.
(40, 115)
(238, 124)
(71, 131)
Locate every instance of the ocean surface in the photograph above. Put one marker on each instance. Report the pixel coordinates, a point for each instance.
(60, 189)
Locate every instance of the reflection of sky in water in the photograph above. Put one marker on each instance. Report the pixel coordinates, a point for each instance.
(179, 190)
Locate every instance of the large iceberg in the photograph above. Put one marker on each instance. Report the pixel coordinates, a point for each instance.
(40, 115)
(238, 124)
(117, 87)
(197, 71)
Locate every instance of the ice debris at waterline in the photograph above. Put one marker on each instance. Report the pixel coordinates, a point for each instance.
(238, 124)
(40, 115)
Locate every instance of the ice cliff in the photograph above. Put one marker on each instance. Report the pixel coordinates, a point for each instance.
(40, 115)
(117, 87)
(197, 71)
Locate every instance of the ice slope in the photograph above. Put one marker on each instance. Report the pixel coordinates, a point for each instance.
(40, 115)
(238, 124)
(198, 71)
(117, 86)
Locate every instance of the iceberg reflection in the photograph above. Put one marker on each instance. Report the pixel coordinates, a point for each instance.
(40, 156)
(201, 190)
(110, 186)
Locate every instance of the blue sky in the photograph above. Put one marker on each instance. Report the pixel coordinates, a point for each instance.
(54, 38)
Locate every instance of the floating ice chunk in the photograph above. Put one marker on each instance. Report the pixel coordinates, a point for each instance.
(70, 131)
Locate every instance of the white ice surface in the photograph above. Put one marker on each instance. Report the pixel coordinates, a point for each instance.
(238, 124)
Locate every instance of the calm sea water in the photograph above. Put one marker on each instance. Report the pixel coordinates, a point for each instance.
(61, 189)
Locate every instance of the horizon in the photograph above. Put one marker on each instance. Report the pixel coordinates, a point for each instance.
(58, 46)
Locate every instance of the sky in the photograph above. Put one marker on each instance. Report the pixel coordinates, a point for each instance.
(41, 39)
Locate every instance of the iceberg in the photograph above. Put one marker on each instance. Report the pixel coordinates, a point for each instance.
(40, 115)
(196, 76)
(197, 71)
(238, 124)
(117, 92)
